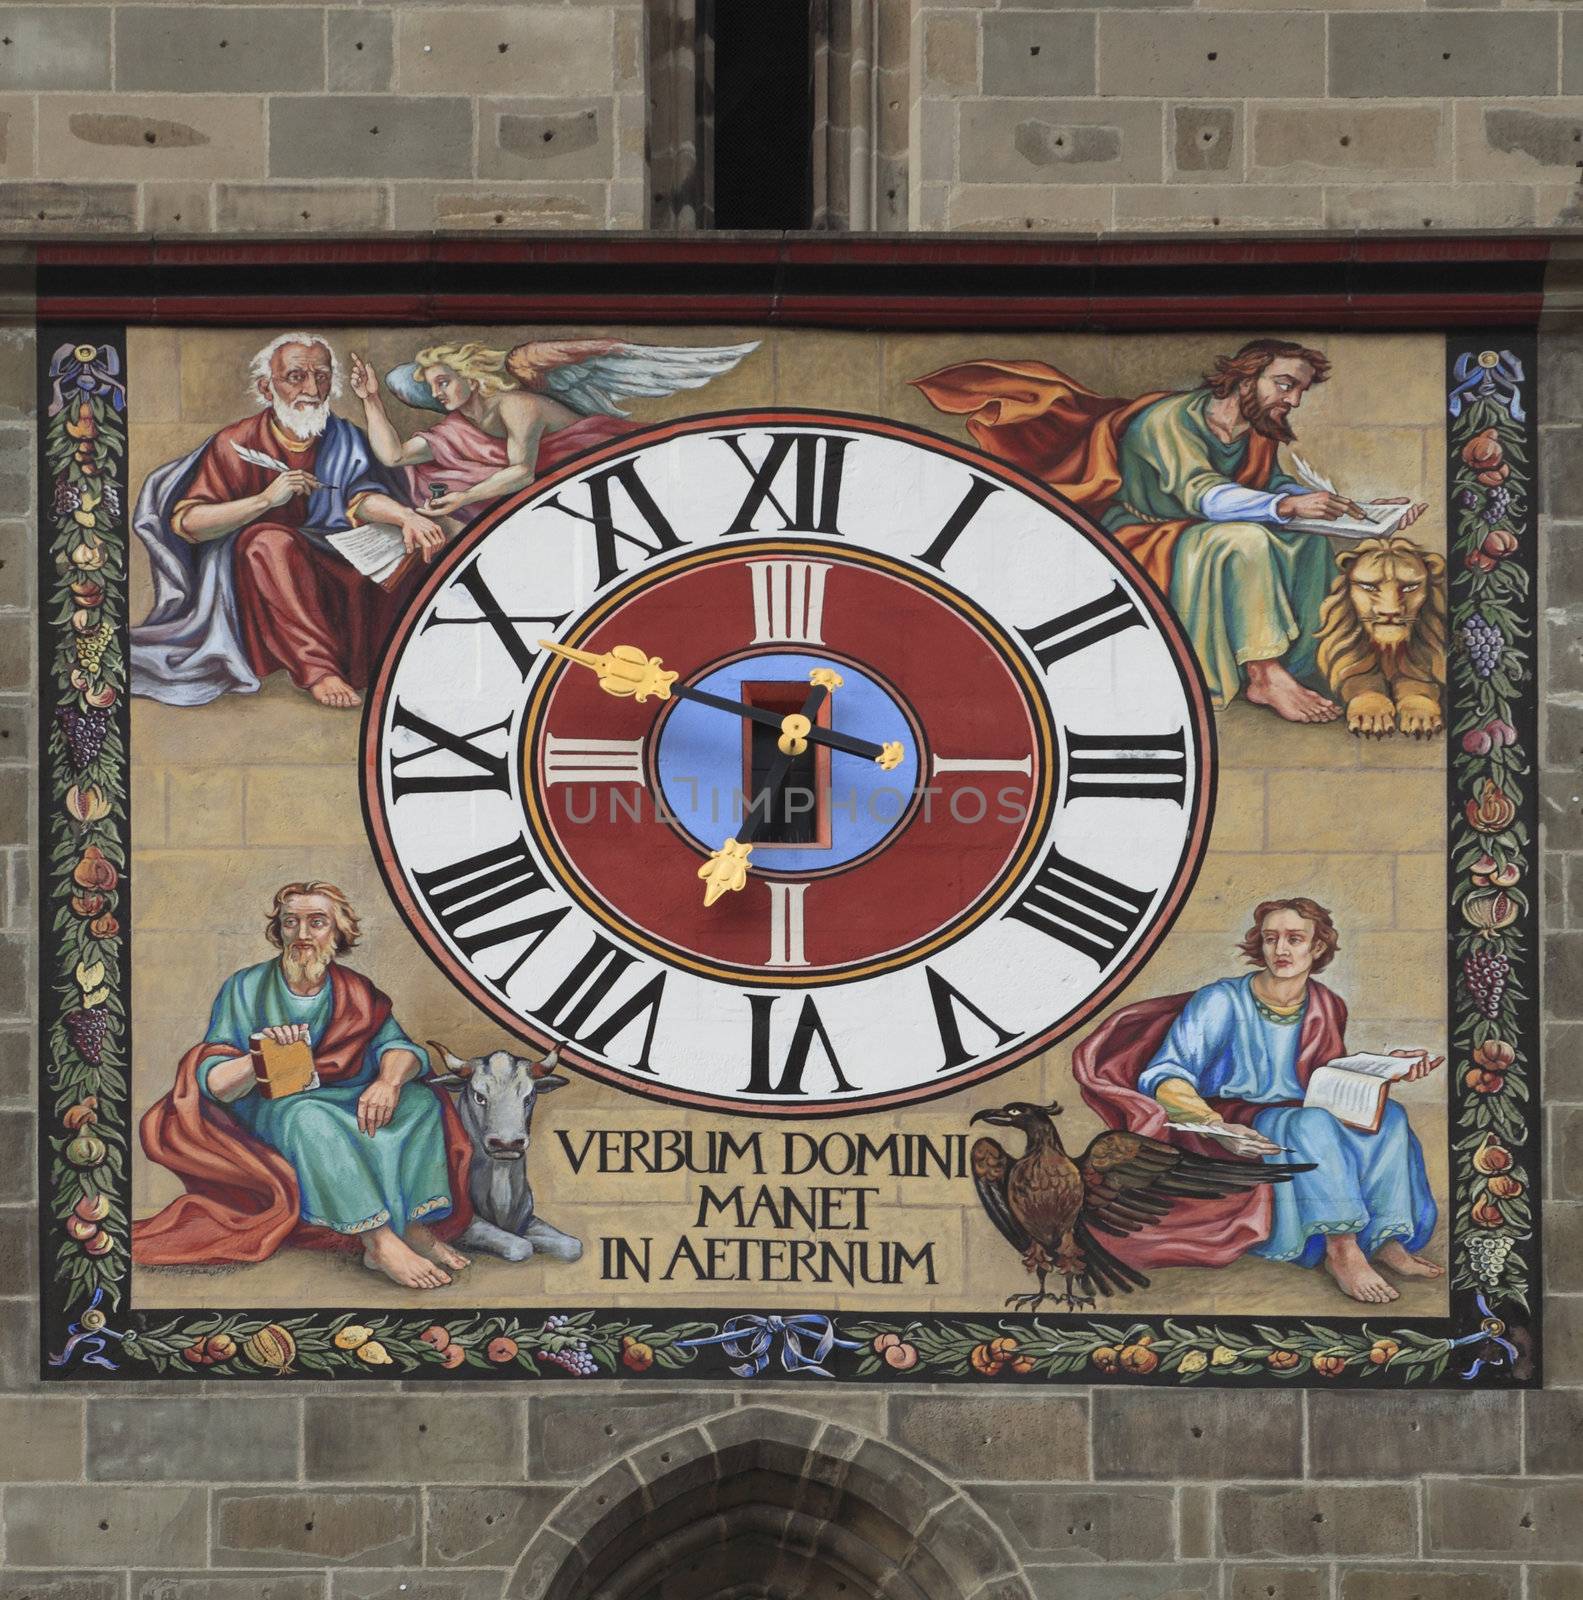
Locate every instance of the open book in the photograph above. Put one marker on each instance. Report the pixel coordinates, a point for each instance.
(1378, 524)
(1354, 1089)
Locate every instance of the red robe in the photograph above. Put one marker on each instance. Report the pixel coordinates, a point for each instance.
(242, 1201)
(1048, 424)
(465, 455)
(1107, 1066)
(302, 609)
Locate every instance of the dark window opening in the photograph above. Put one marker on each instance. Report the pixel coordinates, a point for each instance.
(763, 109)
(800, 813)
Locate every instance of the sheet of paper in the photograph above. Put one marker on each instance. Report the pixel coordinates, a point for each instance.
(374, 548)
(1352, 1097)
(1381, 522)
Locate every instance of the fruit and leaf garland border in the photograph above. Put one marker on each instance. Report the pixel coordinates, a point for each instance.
(89, 1328)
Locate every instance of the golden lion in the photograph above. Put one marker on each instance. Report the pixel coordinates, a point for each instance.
(1382, 637)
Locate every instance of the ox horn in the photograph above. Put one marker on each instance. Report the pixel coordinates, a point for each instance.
(542, 1069)
(459, 1070)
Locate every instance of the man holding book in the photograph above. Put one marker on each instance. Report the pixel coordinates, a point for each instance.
(1190, 485)
(248, 578)
(299, 1118)
(1258, 1065)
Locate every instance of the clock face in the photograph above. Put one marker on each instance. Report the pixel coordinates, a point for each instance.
(788, 763)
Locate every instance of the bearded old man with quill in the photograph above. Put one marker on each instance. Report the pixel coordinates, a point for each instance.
(246, 579)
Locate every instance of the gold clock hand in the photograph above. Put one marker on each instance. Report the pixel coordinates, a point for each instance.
(623, 671)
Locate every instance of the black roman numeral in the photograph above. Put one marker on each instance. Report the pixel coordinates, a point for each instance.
(816, 498)
(489, 771)
(978, 492)
(1083, 909)
(586, 988)
(1075, 630)
(602, 517)
(1126, 766)
(945, 999)
(468, 891)
(809, 1027)
(491, 611)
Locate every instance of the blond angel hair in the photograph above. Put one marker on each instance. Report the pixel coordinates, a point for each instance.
(1346, 648)
(347, 927)
(483, 367)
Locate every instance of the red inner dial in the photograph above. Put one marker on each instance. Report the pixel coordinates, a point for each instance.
(897, 862)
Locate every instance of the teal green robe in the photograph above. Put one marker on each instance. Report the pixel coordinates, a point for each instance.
(1244, 590)
(348, 1181)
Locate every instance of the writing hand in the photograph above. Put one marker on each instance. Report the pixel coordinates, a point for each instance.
(288, 485)
(419, 534)
(376, 1105)
(287, 1033)
(1422, 1067)
(1244, 1140)
(361, 377)
(1319, 505)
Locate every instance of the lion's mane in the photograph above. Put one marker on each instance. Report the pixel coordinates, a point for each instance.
(1346, 647)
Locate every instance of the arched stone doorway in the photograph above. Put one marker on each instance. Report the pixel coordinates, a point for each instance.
(764, 1504)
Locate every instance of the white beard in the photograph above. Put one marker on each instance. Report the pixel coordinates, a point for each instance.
(306, 422)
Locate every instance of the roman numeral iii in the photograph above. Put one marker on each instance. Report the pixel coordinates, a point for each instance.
(1126, 766)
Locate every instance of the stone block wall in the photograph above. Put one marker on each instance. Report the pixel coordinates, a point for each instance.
(1245, 116)
(187, 118)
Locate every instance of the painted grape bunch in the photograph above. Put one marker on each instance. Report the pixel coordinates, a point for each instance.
(1487, 1255)
(1485, 646)
(87, 1030)
(1485, 972)
(85, 732)
(574, 1357)
(1497, 503)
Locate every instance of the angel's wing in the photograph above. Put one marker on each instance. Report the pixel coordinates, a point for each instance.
(1130, 1180)
(591, 375)
(990, 1167)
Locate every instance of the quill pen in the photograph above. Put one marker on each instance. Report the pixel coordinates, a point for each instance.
(257, 458)
(1317, 480)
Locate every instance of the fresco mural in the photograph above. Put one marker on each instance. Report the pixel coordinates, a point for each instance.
(1010, 855)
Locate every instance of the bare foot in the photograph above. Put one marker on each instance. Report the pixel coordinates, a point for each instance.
(1354, 1276)
(1270, 684)
(425, 1243)
(334, 691)
(1395, 1255)
(384, 1252)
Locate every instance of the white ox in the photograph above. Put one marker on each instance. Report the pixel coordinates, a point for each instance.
(495, 1096)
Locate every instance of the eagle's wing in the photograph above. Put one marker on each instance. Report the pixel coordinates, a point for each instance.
(991, 1164)
(591, 375)
(1130, 1180)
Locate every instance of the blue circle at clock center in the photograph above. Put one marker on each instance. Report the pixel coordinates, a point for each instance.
(700, 762)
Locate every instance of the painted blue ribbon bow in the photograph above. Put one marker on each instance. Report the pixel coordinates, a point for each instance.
(90, 1334)
(83, 369)
(750, 1341)
(1489, 1334)
(1490, 375)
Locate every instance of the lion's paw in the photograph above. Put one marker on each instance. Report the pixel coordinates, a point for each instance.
(1371, 715)
(1419, 716)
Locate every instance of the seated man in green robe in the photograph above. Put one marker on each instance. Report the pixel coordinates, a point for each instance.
(368, 1146)
(1191, 486)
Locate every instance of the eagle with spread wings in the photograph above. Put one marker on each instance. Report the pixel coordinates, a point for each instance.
(1051, 1207)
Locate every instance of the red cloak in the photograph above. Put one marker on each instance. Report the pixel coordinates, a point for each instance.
(1107, 1066)
(1037, 418)
(242, 1201)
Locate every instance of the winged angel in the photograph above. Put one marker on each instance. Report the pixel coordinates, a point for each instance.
(508, 415)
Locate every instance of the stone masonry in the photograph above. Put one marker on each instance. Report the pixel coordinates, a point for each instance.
(1075, 116)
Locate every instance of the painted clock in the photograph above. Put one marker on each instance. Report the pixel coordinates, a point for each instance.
(788, 763)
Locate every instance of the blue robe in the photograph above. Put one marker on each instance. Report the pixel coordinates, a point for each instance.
(1370, 1184)
(348, 1181)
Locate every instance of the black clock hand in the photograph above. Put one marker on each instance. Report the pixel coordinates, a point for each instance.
(727, 868)
(626, 672)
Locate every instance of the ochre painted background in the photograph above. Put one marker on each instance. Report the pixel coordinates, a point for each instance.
(234, 798)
